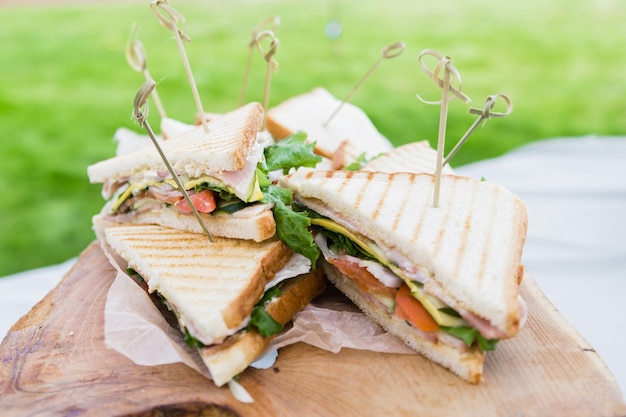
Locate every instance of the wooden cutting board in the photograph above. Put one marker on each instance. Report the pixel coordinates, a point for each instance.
(54, 362)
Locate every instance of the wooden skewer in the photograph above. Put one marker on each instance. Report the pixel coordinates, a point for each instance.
(272, 64)
(390, 51)
(441, 137)
(483, 114)
(169, 19)
(138, 60)
(275, 23)
(434, 75)
(450, 74)
(140, 114)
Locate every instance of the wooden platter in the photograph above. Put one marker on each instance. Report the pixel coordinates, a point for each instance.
(54, 362)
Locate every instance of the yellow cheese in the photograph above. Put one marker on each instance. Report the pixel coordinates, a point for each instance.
(365, 243)
(255, 193)
(127, 193)
(434, 305)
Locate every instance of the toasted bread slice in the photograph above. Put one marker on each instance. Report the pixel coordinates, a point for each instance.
(309, 113)
(224, 147)
(228, 359)
(468, 248)
(257, 226)
(257, 223)
(212, 286)
(411, 157)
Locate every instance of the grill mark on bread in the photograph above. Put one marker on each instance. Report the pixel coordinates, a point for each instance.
(449, 199)
(398, 213)
(383, 196)
(346, 177)
(420, 222)
(466, 230)
(363, 193)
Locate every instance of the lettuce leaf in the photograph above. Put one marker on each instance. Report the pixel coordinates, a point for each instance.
(261, 320)
(345, 243)
(360, 162)
(291, 227)
(264, 323)
(470, 336)
(292, 152)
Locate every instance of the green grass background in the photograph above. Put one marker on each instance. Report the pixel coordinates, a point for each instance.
(65, 86)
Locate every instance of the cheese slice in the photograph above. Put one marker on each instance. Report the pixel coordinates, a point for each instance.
(255, 193)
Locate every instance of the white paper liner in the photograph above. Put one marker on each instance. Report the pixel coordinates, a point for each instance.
(332, 322)
(135, 327)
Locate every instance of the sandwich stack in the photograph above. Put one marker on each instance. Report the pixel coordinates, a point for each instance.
(230, 295)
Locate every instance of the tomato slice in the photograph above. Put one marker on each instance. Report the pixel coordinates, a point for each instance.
(411, 310)
(364, 278)
(204, 202)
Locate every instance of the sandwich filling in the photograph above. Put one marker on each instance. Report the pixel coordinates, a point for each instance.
(151, 190)
(403, 289)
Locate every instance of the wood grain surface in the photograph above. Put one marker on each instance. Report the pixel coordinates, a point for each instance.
(54, 362)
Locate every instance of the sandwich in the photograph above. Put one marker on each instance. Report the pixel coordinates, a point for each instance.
(348, 136)
(443, 279)
(229, 297)
(225, 171)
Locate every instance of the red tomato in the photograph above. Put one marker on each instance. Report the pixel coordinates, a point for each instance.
(366, 281)
(204, 202)
(411, 310)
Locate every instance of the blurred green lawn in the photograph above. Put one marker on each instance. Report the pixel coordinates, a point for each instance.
(65, 86)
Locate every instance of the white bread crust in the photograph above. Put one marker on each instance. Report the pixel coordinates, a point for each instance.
(257, 228)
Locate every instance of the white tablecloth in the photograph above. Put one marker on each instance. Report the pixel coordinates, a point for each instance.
(575, 191)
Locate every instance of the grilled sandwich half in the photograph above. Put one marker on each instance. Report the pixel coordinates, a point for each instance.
(443, 279)
(229, 296)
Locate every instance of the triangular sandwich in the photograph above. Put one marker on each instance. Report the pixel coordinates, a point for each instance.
(229, 296)
(443, 279)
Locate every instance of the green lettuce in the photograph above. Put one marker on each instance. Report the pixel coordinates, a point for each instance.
(260, 319)
(291, 227)
(470, 336)
(360, 162)
(292, 152)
